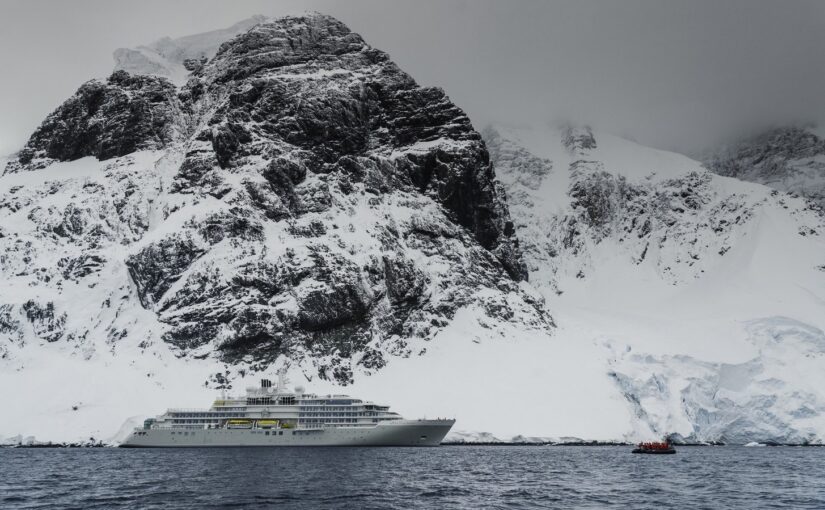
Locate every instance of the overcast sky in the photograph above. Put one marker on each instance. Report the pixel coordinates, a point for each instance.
(674, 75)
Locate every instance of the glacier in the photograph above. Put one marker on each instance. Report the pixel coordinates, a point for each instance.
(680, 275)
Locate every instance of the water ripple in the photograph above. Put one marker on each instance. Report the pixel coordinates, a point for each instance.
(402, 478)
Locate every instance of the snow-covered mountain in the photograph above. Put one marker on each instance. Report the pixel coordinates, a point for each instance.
(174, 59)
(790, 159)
(296, 200)
(300, 201)
(708, 292)
(300, 197)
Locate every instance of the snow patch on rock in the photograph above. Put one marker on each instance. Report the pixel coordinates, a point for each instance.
(176, 58)
(679, 275)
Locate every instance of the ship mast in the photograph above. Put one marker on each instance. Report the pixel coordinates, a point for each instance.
(282, 381)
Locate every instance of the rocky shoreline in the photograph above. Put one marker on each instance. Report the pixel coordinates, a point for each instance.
(98, 444)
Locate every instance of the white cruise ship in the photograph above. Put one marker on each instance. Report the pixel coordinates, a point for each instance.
(273, 416)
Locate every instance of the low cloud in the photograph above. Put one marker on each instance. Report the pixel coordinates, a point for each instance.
(675, 75)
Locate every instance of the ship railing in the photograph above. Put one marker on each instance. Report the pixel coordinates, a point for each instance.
(299, 427)
(334, 425)
(175, 427)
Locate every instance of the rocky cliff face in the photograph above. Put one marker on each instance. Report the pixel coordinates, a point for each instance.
(301, 198)
(662, 210)
(107, 119)
(790, 159)
(174, 59)
(700, 290)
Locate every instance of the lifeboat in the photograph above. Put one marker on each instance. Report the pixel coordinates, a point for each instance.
(655, 448)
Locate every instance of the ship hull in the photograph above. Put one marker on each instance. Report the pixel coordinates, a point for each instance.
(391, 433)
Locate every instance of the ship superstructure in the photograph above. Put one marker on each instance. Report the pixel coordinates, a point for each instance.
(273, 416)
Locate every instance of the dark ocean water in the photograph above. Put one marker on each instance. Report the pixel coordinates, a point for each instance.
(445, 477)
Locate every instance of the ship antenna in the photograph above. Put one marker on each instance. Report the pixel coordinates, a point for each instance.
(282, 380)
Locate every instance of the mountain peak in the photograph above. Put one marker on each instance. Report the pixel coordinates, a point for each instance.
(292, 40)
(166, 57)
(299, 200)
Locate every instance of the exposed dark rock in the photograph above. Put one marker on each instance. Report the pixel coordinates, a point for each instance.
(79, 267)
(194, 64)
(405, 283)
(333, 124)
(329, 306)
(10, 324)
(194, 172)
(596, 196)
(266, 199)
(788, 159)
(107, 119)
(578, 139)
(156, 267)
(74, 222)
(226, 140)
(46, 323)
(219, 226)
(300, 170)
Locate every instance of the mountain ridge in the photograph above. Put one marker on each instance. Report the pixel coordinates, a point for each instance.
(680, 276)
(292, 183)
(789, 159)
(297, 202)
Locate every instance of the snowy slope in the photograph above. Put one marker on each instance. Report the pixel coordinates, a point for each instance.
(681, 276)
(308, 205)
(167, 57)
(300, 202)
(734, 353)
(790, 159)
